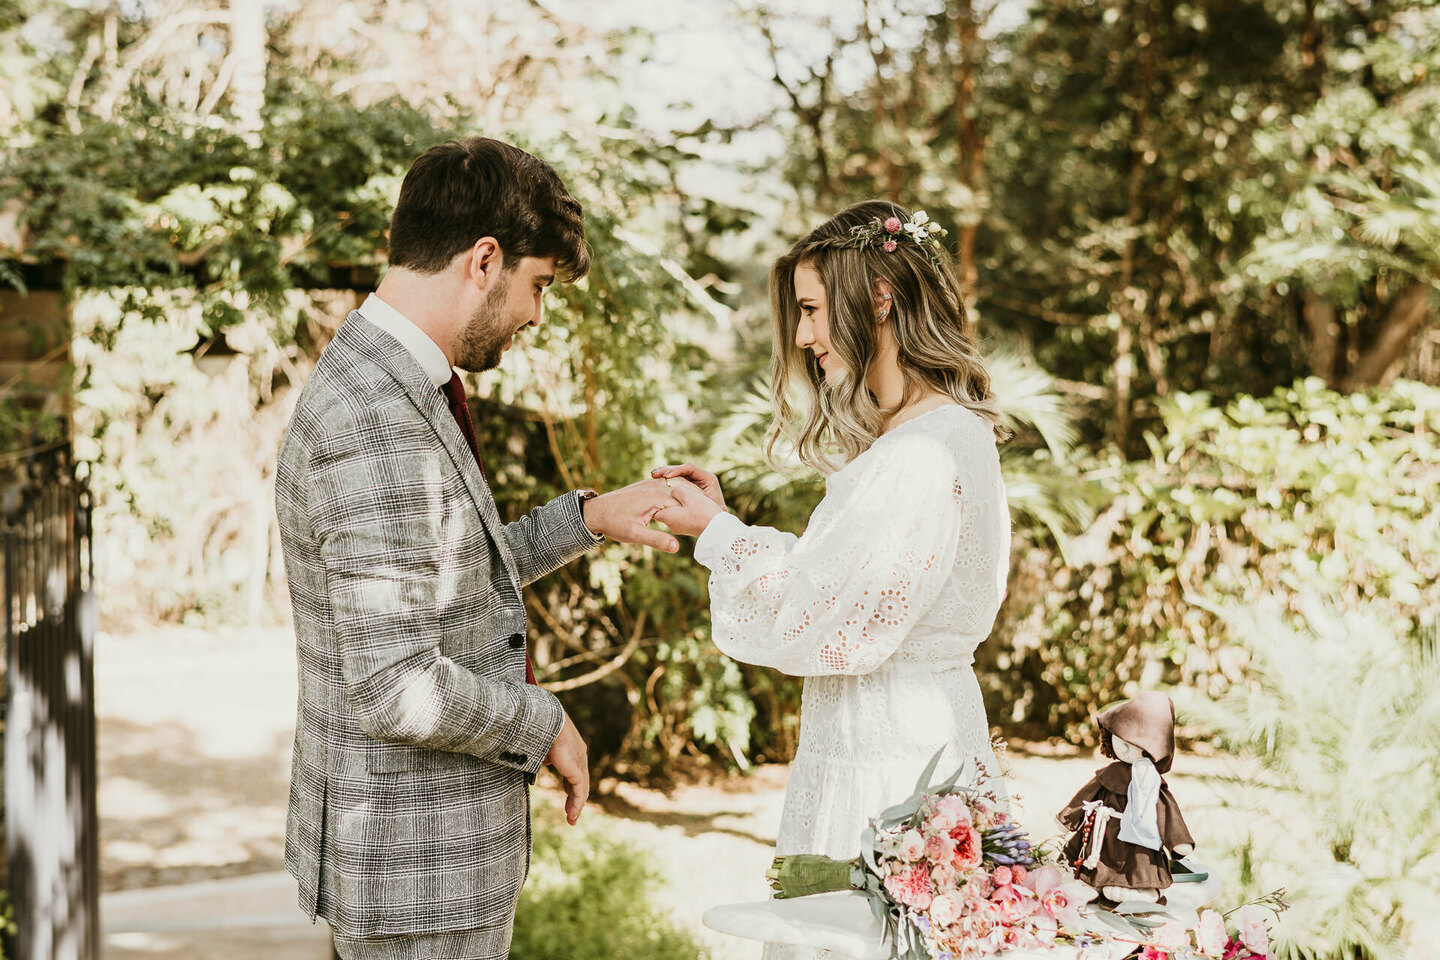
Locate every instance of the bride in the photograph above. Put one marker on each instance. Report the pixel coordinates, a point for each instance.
(899, 574)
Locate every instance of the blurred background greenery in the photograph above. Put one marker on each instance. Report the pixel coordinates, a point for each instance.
(1200, 241)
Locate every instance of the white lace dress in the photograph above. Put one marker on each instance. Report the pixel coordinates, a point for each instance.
(879, 606)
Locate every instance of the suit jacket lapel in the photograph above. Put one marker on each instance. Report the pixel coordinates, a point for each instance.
(375, 344)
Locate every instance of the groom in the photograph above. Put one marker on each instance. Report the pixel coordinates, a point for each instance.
(419, 725)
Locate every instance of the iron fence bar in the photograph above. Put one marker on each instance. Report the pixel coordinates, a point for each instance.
(51, 821)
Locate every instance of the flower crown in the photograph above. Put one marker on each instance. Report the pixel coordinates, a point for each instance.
(889, 232)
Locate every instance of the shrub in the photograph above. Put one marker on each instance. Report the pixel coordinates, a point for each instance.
(1304, 491)
(1342, 723)
(589, 896)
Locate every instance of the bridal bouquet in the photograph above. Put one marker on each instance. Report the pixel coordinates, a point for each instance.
(1240, 934)
(949, 876)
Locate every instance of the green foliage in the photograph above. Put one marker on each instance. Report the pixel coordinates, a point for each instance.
(1303, 492)
(1340, 724)
(1150, 199)
(591, 897)
(1152, 196)
(180, 232)
(153, 199)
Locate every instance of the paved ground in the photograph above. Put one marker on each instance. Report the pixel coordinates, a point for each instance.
(195, 732)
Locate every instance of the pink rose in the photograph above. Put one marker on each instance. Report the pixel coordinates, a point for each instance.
(950, 811)
(1003, 876)
(940, 849)
(889, 246)
(943, 876)
(1210, 935)
(967, 847)
(979, 925)
(976, 899)
(944, 910)
(1018, 873)
(912, 846)
(892, 225)
(911, 887)
(1250, 924)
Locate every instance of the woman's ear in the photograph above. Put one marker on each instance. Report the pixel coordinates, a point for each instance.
(884, 298)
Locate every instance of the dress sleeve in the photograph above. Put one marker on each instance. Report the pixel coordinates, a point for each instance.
(841, 598)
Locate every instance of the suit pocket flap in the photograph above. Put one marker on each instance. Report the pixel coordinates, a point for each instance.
(396, 757)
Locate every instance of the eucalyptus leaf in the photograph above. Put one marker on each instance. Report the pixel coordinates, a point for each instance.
(923, 783)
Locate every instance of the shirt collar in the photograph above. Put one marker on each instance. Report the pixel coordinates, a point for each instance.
(426, 352)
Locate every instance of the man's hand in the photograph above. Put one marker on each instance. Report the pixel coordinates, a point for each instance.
(626, 514)
(708, 483)
(571, 761)
(693, 510)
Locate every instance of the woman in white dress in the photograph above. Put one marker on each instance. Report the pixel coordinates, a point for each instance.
(898, 576)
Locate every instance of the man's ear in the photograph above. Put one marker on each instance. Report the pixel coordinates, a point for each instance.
(485, 263)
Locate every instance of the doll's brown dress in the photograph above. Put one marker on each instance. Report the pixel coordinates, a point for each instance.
(1123, 864)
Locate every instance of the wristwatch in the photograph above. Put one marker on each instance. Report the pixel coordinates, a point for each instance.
(583, 496)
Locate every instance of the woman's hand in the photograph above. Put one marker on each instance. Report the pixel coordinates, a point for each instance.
(694, 509)
(708, 483)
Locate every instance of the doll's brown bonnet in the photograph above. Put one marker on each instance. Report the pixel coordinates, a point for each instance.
(1148, 721)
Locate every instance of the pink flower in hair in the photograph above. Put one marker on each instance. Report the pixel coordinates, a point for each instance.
(892, 225)
(889, 246)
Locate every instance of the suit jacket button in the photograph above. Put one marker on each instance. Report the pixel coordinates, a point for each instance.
(517, 641)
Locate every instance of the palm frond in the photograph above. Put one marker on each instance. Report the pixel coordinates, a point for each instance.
(1340, 714)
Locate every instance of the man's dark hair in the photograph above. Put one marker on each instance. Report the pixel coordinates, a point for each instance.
(462, 190)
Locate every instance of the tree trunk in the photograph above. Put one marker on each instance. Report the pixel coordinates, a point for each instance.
(1324, 337)
(247, 53)
(970, 158)
(1404, 318)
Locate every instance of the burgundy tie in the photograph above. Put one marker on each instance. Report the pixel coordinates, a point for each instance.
(460, 410)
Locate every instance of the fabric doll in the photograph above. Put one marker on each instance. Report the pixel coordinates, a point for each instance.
(1126, 818)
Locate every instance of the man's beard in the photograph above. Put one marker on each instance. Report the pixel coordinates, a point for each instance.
(483, 338)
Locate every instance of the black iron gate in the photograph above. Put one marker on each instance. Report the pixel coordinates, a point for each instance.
(50, 818)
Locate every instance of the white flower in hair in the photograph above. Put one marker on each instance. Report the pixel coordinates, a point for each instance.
(885, 233)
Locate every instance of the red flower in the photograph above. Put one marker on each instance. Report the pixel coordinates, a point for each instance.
(967, 847)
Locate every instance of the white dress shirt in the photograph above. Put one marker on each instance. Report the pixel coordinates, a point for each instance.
(426, 352)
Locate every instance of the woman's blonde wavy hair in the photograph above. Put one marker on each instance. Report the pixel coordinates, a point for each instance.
(937, 346)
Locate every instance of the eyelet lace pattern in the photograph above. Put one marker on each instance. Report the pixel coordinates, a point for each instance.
(879, 606)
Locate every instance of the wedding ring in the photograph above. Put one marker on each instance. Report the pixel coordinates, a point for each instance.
(667, 481)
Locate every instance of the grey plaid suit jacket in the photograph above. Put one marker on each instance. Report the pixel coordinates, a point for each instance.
(416, 736)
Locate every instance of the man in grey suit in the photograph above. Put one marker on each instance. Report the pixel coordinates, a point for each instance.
(417, 733)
